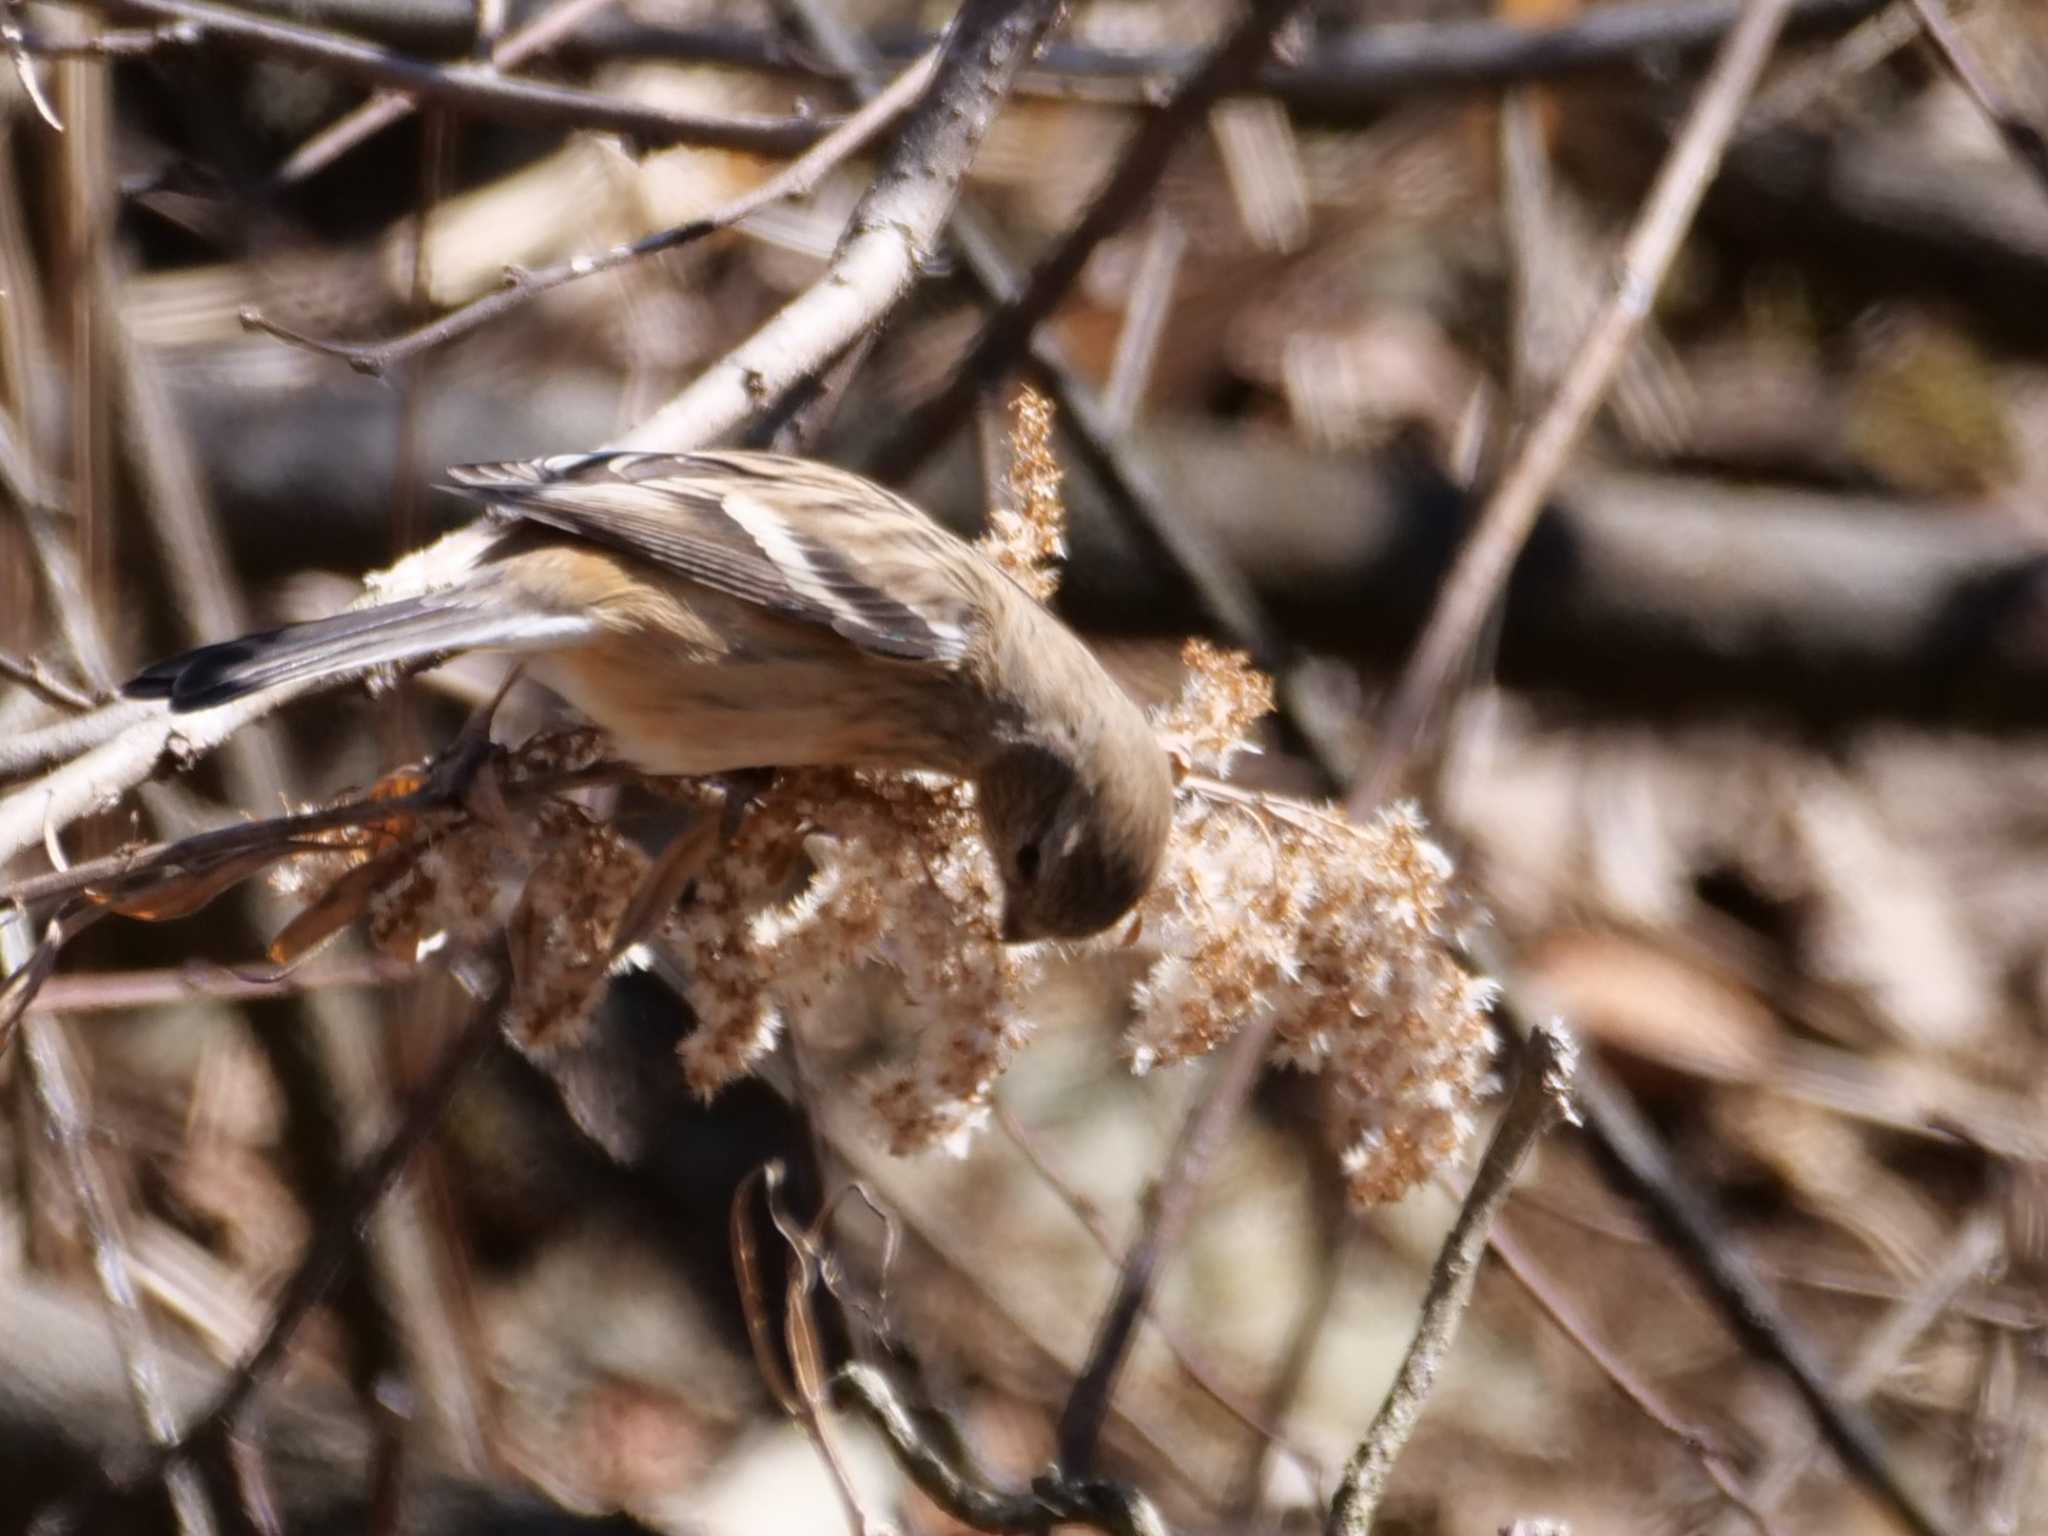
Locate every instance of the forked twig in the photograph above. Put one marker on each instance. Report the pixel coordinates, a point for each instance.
(798, 179)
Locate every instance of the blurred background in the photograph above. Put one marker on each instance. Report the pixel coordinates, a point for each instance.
(1749, 773)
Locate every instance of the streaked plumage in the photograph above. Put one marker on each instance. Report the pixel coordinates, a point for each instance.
(723, 610)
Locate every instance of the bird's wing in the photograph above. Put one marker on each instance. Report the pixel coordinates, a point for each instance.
(801, 539)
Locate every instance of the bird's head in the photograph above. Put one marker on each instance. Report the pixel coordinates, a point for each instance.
(1079, 836)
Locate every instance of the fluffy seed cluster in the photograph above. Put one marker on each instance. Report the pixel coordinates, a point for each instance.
(560, 936)
(1026, 540)
(897, 875)
(553, 878)
(1332, 936)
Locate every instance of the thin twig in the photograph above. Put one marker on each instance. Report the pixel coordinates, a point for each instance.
(1693, 1230)
(1195, 1369)
(798, 179)
(114, 991)
(1145, 315)
(15, 42)
(130, 741)
(1543, 1086)
(388, 107)
(54, 1085)
(332, 1242)
(1243, 1507)
(1168, 1208)
(801, 1390)
(1542, 1290)
(126, 876)
(966, 1494)
(1972, 1249)
(122, 43)
(479, 89)
(894, 230)
(2026, 142)
(1223, 69)
(33, 673)
(1502, 527)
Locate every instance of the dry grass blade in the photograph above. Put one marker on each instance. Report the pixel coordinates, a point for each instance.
(345, 900)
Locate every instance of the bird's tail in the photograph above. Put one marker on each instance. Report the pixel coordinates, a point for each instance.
(411, 630)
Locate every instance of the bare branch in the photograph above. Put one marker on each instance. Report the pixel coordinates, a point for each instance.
(53, 1081)
(966, 1495)
(893, 232)
(33, 673)
(111, 991)
(332, 1242)
(1121, 197)
(1976, 1245)
(129, 742)
(1168, 1208)
(1204, 1377)
(1543, 1086)
(799, 179)
(1349, 77)
(1503, 526)
(381, 111)
(1692, 1229)
(479, 89)
(1713, 1459)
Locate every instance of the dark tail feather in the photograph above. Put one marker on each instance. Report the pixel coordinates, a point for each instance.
(411, 630)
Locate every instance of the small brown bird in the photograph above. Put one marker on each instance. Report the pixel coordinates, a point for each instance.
(721, 610)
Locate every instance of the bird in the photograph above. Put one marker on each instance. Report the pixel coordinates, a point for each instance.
(715, 611)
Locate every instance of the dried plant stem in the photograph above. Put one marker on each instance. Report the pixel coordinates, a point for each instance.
(1146, 313)
(327, 1252)
(135, 740)
(1503, 524)
(54, 1085)
(111, 991)
(1541, 1098)
(1169, 1206)
(1248, 1488)
(34, 674)
(894, 231)
(1051, 1501)
(117, 876)
(1198, 1371)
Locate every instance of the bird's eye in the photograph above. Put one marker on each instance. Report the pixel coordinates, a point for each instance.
(1027, 862)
